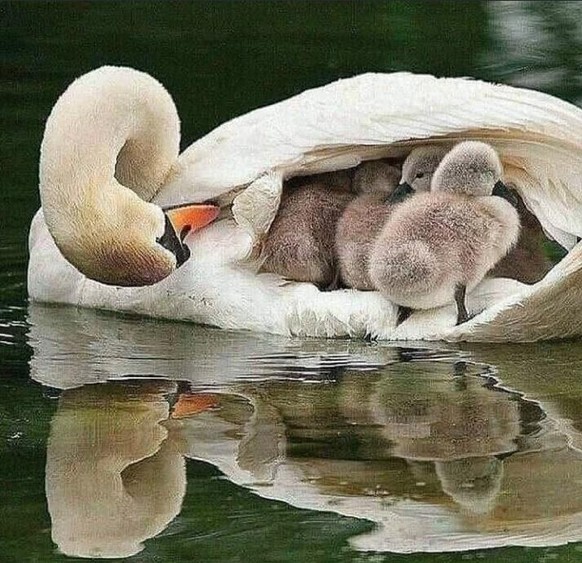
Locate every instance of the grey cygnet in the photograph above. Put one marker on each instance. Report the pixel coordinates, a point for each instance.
(362, 220)
(438, 245)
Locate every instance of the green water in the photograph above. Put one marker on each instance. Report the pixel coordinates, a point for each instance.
(293, 450)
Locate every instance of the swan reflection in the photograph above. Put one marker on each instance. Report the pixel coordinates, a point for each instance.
(423, 443)
(114, 475)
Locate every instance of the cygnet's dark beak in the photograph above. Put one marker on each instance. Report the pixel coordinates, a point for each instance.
(183, 220)
(401, 192)
(501, 190)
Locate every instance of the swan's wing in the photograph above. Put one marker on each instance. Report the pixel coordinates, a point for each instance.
(547, 310)
(338, 125)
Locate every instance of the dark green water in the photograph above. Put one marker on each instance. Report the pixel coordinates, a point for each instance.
(294, 450)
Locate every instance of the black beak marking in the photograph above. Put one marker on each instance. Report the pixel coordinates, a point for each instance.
(170, 241)
(501, 190)
(401, 192)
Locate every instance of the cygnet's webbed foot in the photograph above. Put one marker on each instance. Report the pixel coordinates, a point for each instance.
(403, 314)
(501, 190)
(401, 192)
(460, 294)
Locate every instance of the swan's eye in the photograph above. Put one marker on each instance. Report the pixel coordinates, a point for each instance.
(419, 175)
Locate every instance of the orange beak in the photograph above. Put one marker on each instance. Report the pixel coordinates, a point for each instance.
(190, 404)
(189, 218)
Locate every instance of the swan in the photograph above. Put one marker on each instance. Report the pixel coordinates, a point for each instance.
(438, 245)
(242, 164)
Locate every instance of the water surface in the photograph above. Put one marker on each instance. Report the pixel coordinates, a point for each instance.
(124, 436)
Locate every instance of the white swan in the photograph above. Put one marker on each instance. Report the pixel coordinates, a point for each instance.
(538, 137)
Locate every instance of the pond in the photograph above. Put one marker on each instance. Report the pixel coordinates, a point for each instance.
(124, 437)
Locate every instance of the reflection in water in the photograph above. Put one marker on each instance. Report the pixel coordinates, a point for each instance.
(439, 461)
(423, 443)
(114, 476)
(74, 347)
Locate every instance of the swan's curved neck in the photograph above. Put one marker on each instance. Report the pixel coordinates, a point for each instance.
(112, 129)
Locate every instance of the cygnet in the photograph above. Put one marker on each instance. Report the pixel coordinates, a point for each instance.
(300, 242)
(436, 246)
(527, 261)
(362, 220)
(418, 170)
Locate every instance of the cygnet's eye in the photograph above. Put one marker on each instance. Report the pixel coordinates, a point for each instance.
(419, 175)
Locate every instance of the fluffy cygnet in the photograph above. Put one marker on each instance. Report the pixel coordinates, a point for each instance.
(436, 246)
(418, 170)
(526, 262)
(363, 219)
(300, 242)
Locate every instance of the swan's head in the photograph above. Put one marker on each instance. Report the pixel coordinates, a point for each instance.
(109, 145)
(420, 165)
(471, 167)
(136, 243)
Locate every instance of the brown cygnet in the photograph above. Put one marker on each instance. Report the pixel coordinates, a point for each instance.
(300, 242)
(527, 261)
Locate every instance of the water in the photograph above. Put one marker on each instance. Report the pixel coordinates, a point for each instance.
(124, 435)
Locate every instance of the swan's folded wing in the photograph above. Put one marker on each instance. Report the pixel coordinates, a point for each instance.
(547, 310)
(337, 125)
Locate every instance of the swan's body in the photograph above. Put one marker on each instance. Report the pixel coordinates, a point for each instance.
(362, 220)
(538, 137)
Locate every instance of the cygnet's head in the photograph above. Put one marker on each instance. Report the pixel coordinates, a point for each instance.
(473, 482)
(375, 176)
(420, 165)
(471, 167)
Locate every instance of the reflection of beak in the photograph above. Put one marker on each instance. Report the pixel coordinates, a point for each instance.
(182, 220)
(400, 193)
(190, 404)
(188, 218)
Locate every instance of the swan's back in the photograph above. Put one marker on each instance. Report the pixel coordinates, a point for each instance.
(538, 137)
